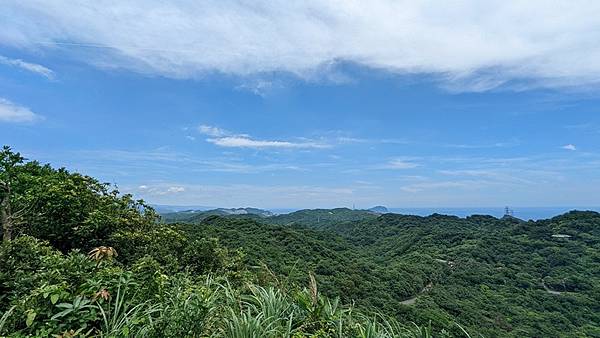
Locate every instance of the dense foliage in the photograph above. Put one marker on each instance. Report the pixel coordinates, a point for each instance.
(54, 294)
(343, 269)
(80, 260)
(319, 218)
(498, 277)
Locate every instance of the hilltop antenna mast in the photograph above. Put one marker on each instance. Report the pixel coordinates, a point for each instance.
(508, 212)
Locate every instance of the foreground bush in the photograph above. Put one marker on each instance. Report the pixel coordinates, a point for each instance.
(49, 294)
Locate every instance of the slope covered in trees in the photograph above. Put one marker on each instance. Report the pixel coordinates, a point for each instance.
(306, 217)
(499, 277)
(80, 259)
(317, 218)
(342, 268)
(193, 216)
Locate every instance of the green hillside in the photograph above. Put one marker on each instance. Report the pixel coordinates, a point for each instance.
(80, 259)
(499, 277)
(193, 216)
(315, 218)
(318, 218)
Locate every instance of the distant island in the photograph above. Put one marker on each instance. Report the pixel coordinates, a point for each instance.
(379, 209)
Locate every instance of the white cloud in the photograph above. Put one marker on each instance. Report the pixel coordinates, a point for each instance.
(212, 131)
(571, 147)
(471, 44)
(400, 164)
(258, 86)
(175, 189)
(224, 138)
(354, 140)
(159, 190)
(507, 176)
(511, 143)
(245, 142)
(13, 113)
(31, 67)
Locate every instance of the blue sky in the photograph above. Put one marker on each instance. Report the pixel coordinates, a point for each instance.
(291, 106)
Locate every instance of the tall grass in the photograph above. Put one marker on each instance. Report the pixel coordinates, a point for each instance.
(5, 317)
(121, 319)
(206, 308)
(269, 312)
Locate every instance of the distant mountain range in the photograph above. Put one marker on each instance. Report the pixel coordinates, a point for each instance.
(306, 217)
(524, 213)
(193, 216)
(283, 216)
(163, 209)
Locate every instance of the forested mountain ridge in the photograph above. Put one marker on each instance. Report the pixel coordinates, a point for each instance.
(318, 218)
(501, 277)
(191, 216)
(306, 217)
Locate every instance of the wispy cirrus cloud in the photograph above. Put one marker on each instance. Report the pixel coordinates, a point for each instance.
(213, 131)
(441, 185)
(236, 195)
(588, 128)
(160, 190)
(246, 142)
(13, 113)
(399, 164)
(511, 143)
(503, 176)
(164, 161)
(28, 66)
(356, 140)
(468, 44)
(224, 138)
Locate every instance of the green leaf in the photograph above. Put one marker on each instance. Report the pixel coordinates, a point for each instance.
(54, 298)
(30, 318)
(61, 314)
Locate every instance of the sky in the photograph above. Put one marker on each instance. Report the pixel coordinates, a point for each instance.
(283, 104)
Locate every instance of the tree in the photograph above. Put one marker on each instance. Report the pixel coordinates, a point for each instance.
(67, 209)
(9, 218)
